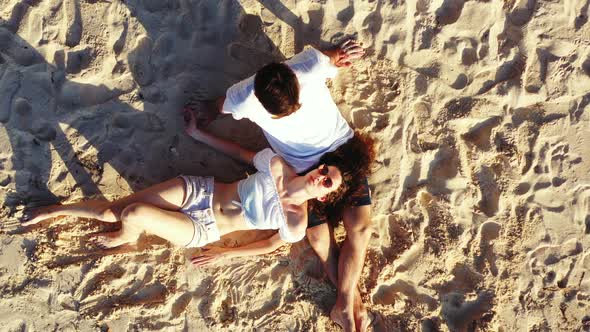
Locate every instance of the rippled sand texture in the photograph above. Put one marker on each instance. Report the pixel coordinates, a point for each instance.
(481, 192)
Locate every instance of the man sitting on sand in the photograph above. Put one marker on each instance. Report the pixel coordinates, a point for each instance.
(292, 104)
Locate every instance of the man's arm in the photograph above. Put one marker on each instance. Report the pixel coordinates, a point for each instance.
(206, 111)
(231, 149)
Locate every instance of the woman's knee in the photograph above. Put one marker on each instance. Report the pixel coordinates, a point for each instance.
(318, 236)
(135, 212)
(109, 214)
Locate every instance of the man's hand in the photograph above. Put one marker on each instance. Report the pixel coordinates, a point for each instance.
(345, 53)
(190, 125)
(210, 254)
(206, 111)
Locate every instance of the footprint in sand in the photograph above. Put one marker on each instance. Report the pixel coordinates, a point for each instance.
(369, 26)
(19, 52)
(490, 193)
(9, 85)
(559, 158)
(484, 46)
(22, 114)
(468, 55)
(344, 10)
(522, 12)
(510, 69)
(78, 60)
(455, 108)
(179, 304)
(117, 27)
(4, 179)
(361, 118)
(488, 232)
(36, 29)
(135, 288)
(557, 265)
(73, 94)
(72, 23)
(372, 22)
(229, 311)
(449, 11)
(17, 13)
(480, 133)
(95, 279)
(535, 72)
(460, 314)
(387, 295)
(140, 61)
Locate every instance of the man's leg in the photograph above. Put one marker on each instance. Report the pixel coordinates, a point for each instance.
(357, 222)
(321, 239)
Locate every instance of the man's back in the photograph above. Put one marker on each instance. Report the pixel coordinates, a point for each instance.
(304, 136)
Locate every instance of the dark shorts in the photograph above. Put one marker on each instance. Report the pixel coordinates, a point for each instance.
(364, 198)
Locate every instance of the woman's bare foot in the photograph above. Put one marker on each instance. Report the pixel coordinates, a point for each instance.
(33, 216)
(343, 317)
(114, 239)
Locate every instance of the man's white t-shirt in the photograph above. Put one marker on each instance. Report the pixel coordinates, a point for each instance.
(316, 128)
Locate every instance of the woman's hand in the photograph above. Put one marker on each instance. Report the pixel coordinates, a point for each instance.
(210, 254)
(347, 52)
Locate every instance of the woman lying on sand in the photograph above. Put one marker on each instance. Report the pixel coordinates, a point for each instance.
(186, 212)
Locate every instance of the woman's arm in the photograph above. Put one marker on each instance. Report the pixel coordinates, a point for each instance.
(212, 254)
(230, 148)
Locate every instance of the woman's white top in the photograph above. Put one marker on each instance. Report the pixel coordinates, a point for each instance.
(260, 202)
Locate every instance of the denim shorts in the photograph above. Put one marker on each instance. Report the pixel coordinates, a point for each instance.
(197, 206)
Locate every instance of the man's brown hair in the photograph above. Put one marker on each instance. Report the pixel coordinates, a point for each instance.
(277, 89)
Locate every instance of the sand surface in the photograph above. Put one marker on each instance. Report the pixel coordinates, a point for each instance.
(481, 190)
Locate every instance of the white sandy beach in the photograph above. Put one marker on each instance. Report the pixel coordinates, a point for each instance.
(481, 191)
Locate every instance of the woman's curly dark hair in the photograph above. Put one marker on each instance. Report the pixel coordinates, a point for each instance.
(354, 159)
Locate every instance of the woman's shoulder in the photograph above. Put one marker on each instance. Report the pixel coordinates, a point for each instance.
(280, 168)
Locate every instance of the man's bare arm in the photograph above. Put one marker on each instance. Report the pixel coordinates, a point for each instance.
(230, 148)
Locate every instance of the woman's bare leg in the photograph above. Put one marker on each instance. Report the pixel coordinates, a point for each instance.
(138, 218)
(168, 195)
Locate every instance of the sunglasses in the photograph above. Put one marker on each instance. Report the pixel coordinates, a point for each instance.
(327, 181)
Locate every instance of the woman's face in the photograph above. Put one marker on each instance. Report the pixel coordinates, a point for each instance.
(323, 180)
